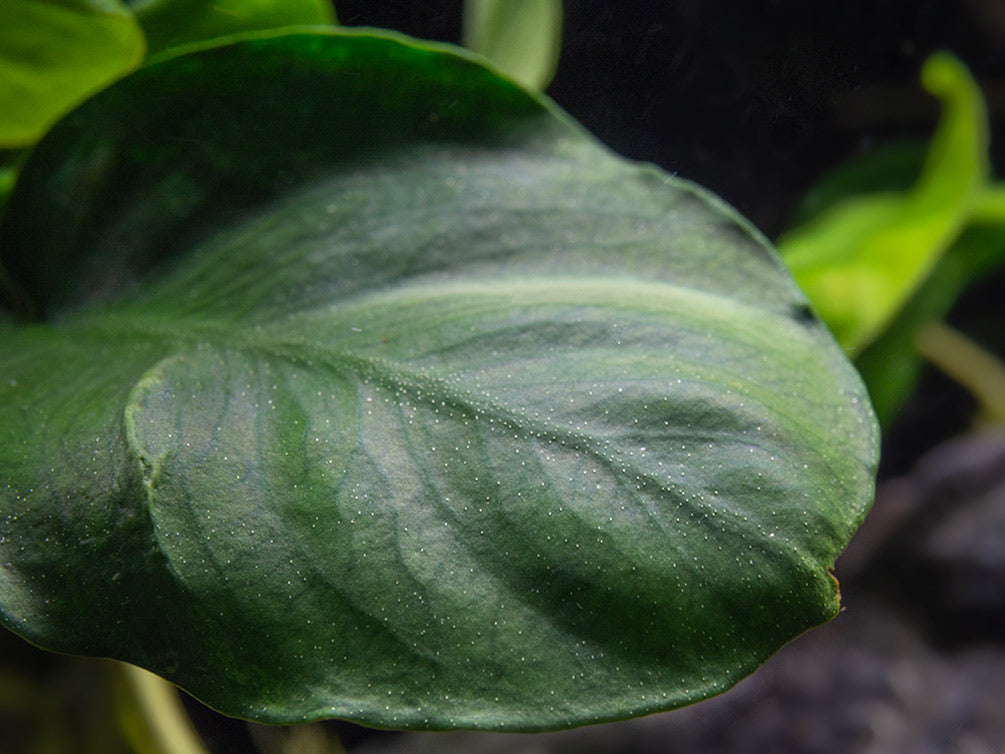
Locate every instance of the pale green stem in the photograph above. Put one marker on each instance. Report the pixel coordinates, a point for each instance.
(306, 738)
(163, 712)
(966, 362)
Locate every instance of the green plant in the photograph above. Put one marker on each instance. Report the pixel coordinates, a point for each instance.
(55, 53)
(883, 260)
(344, 377)
(521, 37)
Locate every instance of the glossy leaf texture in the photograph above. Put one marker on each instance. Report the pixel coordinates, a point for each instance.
(367, 385)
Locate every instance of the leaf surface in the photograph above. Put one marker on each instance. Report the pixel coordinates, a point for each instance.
(174, 23)
(369, 386)
(55, 53)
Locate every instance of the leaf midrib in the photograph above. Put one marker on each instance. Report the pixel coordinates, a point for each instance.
(278, 343)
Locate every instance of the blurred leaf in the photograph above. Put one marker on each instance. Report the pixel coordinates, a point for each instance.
(436, 414)
(8, 175)
(305, 738)
(522, 38)
(960, 357)
(56, 704)
(152, 715)
(53, 54)
(174, 23)
(861, 260)
(891, 364)
(881, 169)
(8, 290)
(990, 205)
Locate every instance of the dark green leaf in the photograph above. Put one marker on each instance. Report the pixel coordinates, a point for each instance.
(369, 386)
(174, 23)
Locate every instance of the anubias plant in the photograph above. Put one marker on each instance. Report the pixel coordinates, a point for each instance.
(342, 377)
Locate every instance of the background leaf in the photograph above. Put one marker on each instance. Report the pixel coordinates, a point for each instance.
(396, 397)
(861, 260)
(522, 38)
(173, 23)
(55, 53)
(890, 363)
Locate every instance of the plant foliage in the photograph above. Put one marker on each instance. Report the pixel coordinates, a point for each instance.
(880, 258)
(345, 378)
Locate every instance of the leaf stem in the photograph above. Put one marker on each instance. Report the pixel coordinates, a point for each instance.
(303, 738)
(960, 358)
(169, 727)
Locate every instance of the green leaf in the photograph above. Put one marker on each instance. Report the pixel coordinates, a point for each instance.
(882, 169)
(175, 23)
(891, 364)
(370, 386)
(522, 38)
(861, 260)
(54, 54)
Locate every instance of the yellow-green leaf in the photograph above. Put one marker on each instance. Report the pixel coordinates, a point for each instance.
(175, 23)
(55, 53)
(861, 260)
(522, 38)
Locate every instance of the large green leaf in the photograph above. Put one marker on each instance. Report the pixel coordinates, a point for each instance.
(368, 385)
(53, 54)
